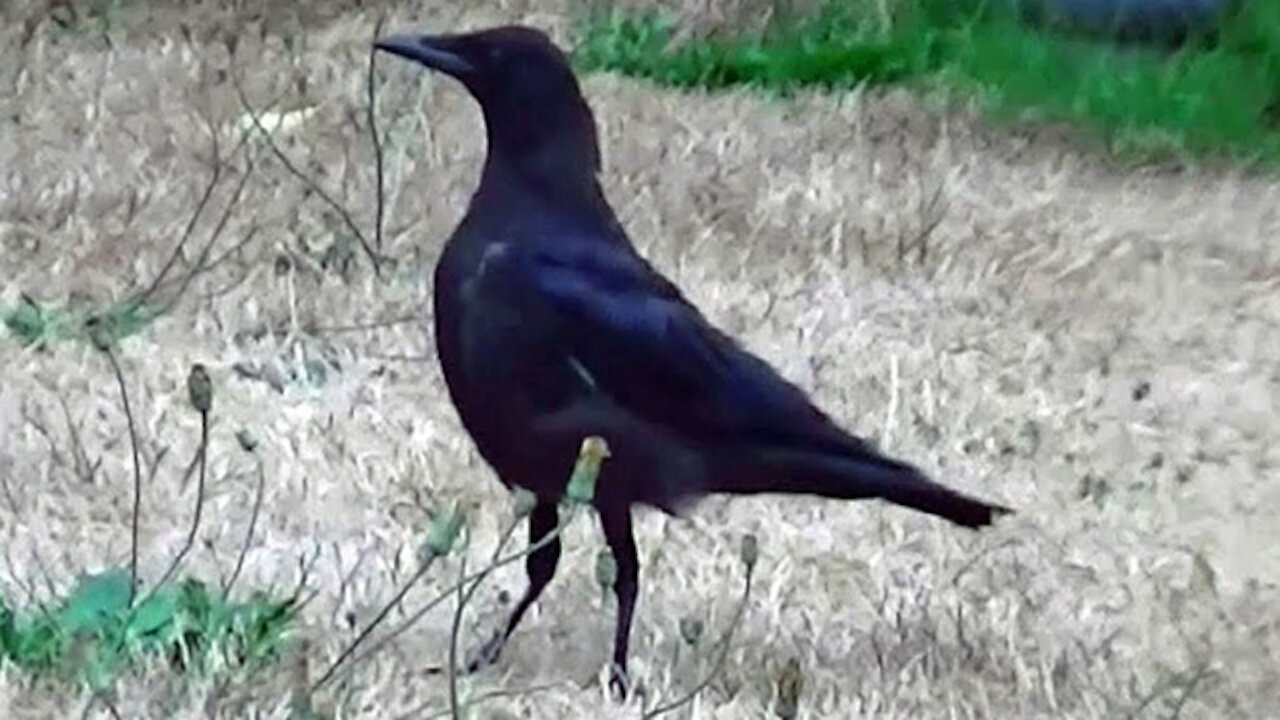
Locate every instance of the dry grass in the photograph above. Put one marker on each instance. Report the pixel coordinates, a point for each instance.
(1138, 580)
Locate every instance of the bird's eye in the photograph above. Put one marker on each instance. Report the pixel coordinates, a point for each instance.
(496, 54)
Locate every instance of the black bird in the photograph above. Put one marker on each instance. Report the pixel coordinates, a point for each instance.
(550, 327)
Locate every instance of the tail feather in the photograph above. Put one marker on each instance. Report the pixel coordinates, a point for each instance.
(865, 475)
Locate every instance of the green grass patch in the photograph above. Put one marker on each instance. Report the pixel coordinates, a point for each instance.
(1214, 96)
(37, 325)
(97, 632)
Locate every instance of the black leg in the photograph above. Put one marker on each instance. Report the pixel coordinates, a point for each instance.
(617, 533)
(540, 565)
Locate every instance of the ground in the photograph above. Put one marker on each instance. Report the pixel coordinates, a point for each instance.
(1091, 346)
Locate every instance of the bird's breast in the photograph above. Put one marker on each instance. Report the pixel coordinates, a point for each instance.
(499, 344)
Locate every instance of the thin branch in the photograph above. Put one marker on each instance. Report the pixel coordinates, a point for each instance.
(420, 612)
(455, 709)
(202, 455)
(304, 574)
(248, 536)
(463, 599)
(1189, 688)
(311, 184)
(199, 266)
(83, 468)
(145, 295)
(345, 579)
(211, 265)
(382, 614)
(105, 347)
(373, 135)
(719, 663)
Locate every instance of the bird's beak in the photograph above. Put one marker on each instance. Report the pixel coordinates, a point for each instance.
(438, 52)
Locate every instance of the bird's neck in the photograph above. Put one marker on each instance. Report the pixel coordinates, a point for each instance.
(546, 155)
(557, 173)
(553, 145)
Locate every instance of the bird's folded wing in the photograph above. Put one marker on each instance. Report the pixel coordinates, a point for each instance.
(646, 347)
(628, 327)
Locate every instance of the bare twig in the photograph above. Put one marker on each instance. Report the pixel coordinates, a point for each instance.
(199, 266)
(101, 341)
(723, 654)
(578, 492)
(345, 579)
(1189, 688)
(933, 210)
(428, 607)
(45, 433)
(253, 521)
(394, 602)
(455, 708)
(373, 135)
(214, 177)
(211, 265)
(83, 468)
(202, 455)
(305, 567)
(311, 184)
(245, 271)
(463, 599)
(382, 614)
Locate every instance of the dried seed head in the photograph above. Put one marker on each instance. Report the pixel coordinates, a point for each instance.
(582, 483)
(200, 388)
(750, 551)
(99, 333)
(691, 630)
(443, 533)
(606, 568)
(524, 502)
(247, 441)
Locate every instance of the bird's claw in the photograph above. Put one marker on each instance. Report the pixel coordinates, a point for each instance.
(485, 654)
(619, 683)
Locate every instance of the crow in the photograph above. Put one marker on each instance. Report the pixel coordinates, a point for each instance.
(550, 327)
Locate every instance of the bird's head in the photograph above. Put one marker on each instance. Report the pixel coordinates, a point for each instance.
(532, 104)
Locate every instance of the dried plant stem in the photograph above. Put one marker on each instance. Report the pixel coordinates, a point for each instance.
(214, 177)
(137, 470)
(429, 606)
(200, 264)
(719, 663)
(248, 535)
(380, 205)
(455, 708)
(202, 458)
(310, 183)
(428, 561)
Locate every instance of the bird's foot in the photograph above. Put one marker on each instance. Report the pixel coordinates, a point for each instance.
(619, 683)
(485, 654)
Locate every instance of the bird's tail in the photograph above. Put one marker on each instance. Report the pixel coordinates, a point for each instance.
(856, 475)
